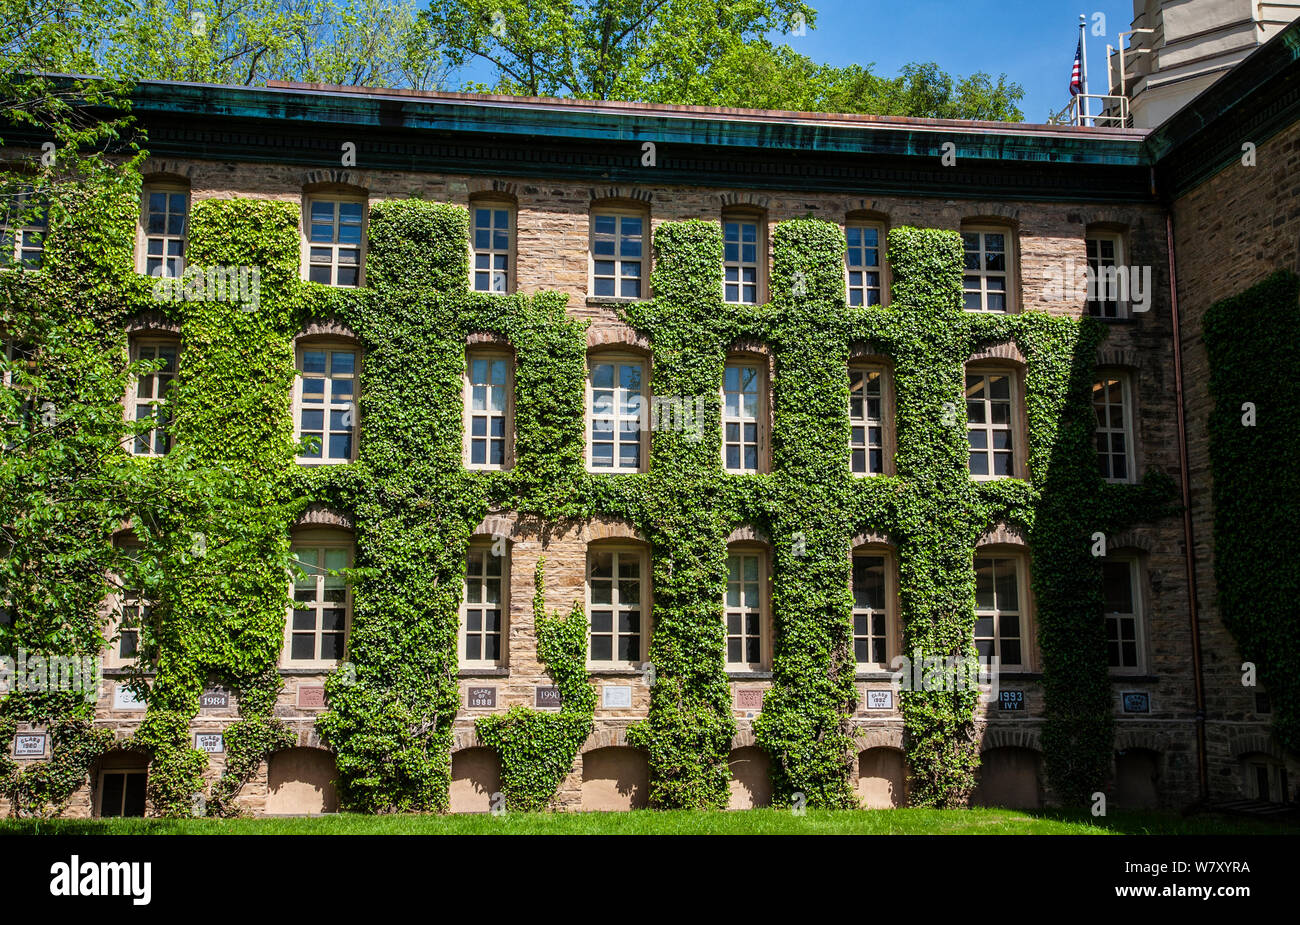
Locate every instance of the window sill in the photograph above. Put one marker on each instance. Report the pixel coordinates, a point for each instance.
(125, 673)
(598, 300)
(746, 674)
(1020, 674)
(484, 672)
(1118, 677)
(297, 671)
(874, 676)
(615, 670)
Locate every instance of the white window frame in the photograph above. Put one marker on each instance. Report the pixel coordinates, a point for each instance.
(861, 287)
(335, 247)
(15, 238)
(642, 261)
(117, 626)
(860, 426)
(126, 772)
(487, 547)
(158, 399)
(1115, 619)
(1108, 432)
(328, 406)
(144, 236)
(742, 608)
(323, 540)
(1014, 427)
(983, 274)
(760, 418)
(643, 606)
(891, 637)
(1096, 261)
(621, 397)
(470, 414)
(492, 254)
(740, 264)
(1023, 610)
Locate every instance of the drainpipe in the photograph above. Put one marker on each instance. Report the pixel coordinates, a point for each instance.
(1202, 769)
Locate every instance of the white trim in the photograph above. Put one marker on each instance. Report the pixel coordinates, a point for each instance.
(486, 547)
(618, 403)
(1108, 432)
(469, 413)
(492, 252)
(740, 419)
(165, 238)
(321, 541)
(327, 404)
(864, 269)
(615, 606)
(334, 254)
(983, 276)
(157, 384)
(620, 261)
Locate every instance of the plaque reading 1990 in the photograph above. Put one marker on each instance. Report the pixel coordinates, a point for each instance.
(546, 697)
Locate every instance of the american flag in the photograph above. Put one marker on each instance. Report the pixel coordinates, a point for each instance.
(1075, 80)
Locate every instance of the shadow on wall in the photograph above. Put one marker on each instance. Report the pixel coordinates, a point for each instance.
(751, 778)
(1137, 771)
(882, 778)
(1009, 777)
(475, 776)
(615, 778)
(300, 781)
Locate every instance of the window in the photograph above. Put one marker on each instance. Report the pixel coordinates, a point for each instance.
(992, 423)
(873, 621)
(121, 792)
(131, 613)
(150, 399)
(1105, 253)
(740, 260)
(987, 280)
(487, 409)
(163, 218)
(616, 401)
(1111, 398)
(491, 246)
(326, 403)
(334, 239)
(23, 225)
(746, 609)
(863, 263)
(482, 613)
(321, 611)
(617, 245)
(616, 599)
(867, 395)
(1001, 622)
(744, 416)
(1119, 584)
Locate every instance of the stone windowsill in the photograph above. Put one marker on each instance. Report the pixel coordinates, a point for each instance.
(749, 675)
(484, 672)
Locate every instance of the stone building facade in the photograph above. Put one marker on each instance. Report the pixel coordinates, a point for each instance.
(556, 176)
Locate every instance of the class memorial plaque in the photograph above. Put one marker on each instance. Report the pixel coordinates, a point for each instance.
(29, 746)
(749, 698)
(209, 742)
(880, 700)
(616, 696)
(546, 697)
(1011, 700)
(1136, 702)
(126, 699)
(311, 698)
(214, 700)
(481, 697)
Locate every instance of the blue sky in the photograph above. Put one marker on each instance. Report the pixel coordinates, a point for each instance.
(1031, 41)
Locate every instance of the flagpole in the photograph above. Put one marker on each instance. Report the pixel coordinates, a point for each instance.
(1086, 118)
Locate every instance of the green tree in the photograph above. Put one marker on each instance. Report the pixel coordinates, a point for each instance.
(603, 49)
(760, 75)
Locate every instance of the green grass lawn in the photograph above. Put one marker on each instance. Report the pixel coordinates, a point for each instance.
(680, 822)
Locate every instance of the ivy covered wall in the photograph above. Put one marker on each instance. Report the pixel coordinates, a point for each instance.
(390, 714)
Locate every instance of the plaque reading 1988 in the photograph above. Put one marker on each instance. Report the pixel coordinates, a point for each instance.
(481, 697)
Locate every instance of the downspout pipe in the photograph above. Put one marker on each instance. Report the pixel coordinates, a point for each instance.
(1202, 768)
